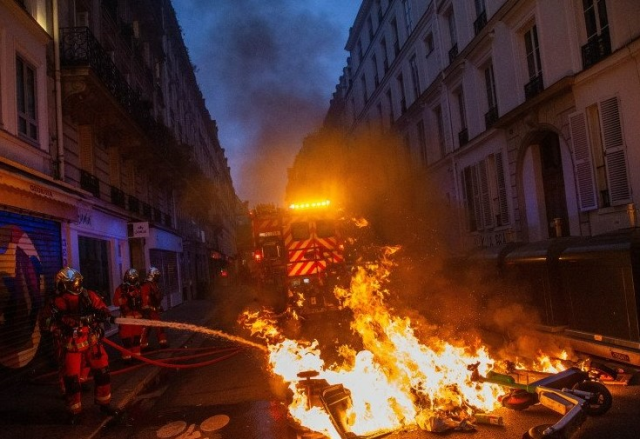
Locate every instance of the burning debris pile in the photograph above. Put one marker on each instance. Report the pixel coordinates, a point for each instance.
(395, 382)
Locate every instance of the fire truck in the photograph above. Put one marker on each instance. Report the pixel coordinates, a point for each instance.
(299, 255)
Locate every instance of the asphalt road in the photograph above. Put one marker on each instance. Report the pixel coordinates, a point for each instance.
(240, 397)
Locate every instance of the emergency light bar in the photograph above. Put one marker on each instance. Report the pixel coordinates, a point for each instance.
(324, 203)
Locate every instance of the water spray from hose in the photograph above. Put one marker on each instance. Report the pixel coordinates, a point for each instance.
(188, 327)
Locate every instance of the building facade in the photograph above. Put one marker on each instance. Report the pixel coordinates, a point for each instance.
(109, 158)
(521, 114)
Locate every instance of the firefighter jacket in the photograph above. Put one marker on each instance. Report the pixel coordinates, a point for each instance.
(129, 299)
(151, 297)
(77, 319)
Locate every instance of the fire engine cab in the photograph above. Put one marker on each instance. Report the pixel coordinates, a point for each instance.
(299, 251)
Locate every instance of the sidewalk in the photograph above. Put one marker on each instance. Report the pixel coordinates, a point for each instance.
(35, 409)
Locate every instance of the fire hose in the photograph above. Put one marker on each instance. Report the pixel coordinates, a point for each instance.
(233, 351)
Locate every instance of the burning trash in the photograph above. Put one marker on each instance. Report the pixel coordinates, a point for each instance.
(400, 382)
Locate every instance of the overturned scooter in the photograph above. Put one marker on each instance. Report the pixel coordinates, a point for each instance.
(570, 393)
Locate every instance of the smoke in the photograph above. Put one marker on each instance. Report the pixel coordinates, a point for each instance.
(267, 71)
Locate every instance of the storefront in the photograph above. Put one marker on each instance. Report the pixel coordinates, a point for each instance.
(153, 247)
(33, 215)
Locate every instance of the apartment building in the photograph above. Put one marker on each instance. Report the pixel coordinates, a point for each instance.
(521, 114)
(109, 158)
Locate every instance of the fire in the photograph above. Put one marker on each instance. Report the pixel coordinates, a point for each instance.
(394, 381)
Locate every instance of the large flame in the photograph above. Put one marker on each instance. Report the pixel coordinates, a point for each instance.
(394, 380)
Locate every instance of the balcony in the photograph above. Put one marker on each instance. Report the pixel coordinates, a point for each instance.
(596, 49)
(533, 87)
(453, 53)
(84, 61)
(491, 117)
(480, 22)
(90, 183)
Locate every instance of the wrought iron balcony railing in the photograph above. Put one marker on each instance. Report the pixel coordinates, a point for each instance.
(79, 47)
(491, 117)
(117, 197)
(533, 87)
(480, 22)
(596, 49)
(90, 183)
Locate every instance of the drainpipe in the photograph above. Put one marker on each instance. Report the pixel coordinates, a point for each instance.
(58, 98)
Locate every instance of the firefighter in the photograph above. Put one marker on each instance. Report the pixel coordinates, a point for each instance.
(77, 315)
(128, 297)
(152, 308)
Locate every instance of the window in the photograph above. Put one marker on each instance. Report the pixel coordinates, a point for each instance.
(385, 56)
(600, 159)
(370, 27)
(485, 194)
(491, 116)
(453, 39)
(534, 65)
(376, 76)
(406, 4)
(596, 23)
(595, 18)
(300, 231)
(481, 16)
(379, 9)
(463, 134)
(422, 142)
(396, 37)
(26, 99)
(415, 77)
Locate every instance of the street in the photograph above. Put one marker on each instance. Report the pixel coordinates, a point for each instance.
(239, 398)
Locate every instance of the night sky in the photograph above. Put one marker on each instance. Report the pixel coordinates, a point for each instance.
(267, 70)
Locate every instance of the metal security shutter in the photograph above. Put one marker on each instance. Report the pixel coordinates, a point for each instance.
(167, 263)
(30, 256)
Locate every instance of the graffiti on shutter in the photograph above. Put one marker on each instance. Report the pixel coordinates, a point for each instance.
(582, 162)
(30, 256)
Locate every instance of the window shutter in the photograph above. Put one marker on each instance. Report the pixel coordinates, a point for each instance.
(582, 162)
(502, 191)
(485, 195)
(615, 154)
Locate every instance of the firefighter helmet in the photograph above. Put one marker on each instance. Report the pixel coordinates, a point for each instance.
(69, 280)
(153, 275)
(131, 277)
